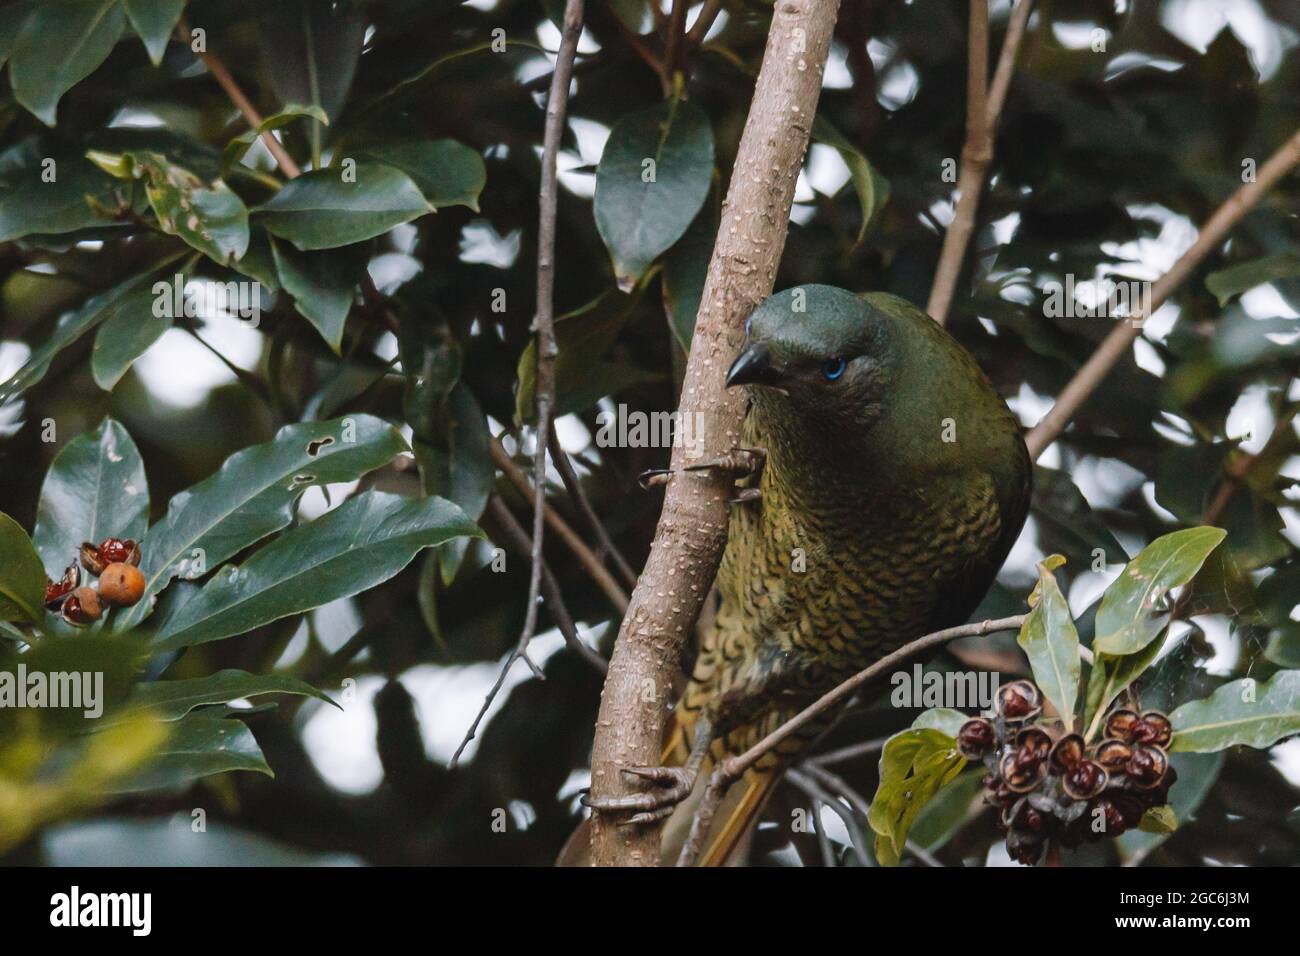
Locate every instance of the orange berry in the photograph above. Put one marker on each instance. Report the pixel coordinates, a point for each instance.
(121, 584)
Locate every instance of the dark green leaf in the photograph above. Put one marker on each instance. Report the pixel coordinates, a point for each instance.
(871, 187)
(1245, 276)
(173, 699)
(448, 173)
(941, 818)
(323, 285)
(31, 206)
(63, 42)
(136, 324)
(95, 489)
(1110, 675)
(12, 18)
(311, 50)
(318, 210)
(22, 577)
(154, 21)
(199, 746)
(363, 542)
(1240, 712)
(252, 495)
(1063, 512)
(685, 268)
(651, 181)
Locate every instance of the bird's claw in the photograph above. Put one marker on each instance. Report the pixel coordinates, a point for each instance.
(673, 785)
(653, 477)
(747, 496)
(739, 462)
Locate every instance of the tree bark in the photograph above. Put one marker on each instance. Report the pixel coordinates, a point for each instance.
(692, 528)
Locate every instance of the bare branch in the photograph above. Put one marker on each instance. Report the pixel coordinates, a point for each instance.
(1117, 344)
(544, 326)
(983, 109)
(693, 525)
(590, 563)
(731, 768)
(573, 484)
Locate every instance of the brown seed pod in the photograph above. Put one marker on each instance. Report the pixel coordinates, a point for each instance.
(1085, 780)
(1018, 776)
(1114, 755)
(1116, 823)
(1033, 741)
(82, 607)
(1019, 700)
(976, 738)
(121, 584)
(1154, 729)
(1067, 753)
(1121, 725)
(56, 591)
(90, 558)
(1147, 767)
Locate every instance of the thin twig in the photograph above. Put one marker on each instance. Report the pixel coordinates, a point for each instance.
(983, 109)
(731, 768)
(1117, 344)
(851, 752)
(520, 542)
(675, 36)
(1239, 470)
(245, 106)
(586, 557)
(573, 484)
(703, 23)
(837, 786)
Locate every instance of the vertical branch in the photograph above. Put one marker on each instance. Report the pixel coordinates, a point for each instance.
(544, 321)
(983, 109)
(1116, 345)
(693, 525)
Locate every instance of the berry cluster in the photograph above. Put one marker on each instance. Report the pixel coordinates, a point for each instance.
(120, 582)
(1050, 785)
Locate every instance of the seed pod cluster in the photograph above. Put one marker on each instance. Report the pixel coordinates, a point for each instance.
(114, 561)
(1050, 785)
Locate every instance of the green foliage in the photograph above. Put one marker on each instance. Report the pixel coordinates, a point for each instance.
(914, 765)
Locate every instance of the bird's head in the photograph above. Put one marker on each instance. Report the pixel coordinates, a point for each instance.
(815, 348)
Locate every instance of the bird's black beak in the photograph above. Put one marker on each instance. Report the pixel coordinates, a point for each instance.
(753, 366)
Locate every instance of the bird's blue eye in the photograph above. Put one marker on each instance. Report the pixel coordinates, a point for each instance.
(834, 368)
(748, 322)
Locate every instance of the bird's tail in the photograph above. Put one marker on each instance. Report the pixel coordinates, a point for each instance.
(728, 839)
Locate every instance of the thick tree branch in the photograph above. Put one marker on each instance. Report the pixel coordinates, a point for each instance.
(1117, 344)
(693, 525)
(983, 109)
(732, 768)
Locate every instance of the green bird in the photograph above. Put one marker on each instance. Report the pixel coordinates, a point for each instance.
(894, 482)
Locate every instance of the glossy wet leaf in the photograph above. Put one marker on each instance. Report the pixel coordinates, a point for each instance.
(22, 577)
(323, 285)
(1050, 641)
(1129, 617)
(154, 21)
(252, 495)
(198, 746)
(651, 182)
(1241, 712)
(61, 43)
(173, 699)
(914, 765)
(358, 545)
(135, 325)
(943, 719)
(319, 210)
(94, 489)
(448, 173)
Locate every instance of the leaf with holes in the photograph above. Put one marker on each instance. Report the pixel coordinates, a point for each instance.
(360, 544)
(252, 495)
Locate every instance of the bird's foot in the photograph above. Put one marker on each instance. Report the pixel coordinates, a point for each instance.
(738, 463)
(672, 786)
